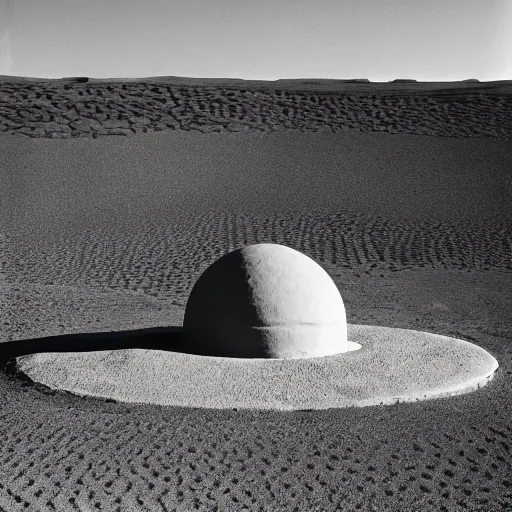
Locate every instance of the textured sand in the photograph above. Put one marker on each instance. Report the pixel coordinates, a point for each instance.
(63, 109)
(93, 241)
(384, 366)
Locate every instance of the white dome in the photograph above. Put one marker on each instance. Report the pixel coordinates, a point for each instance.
(265, 301)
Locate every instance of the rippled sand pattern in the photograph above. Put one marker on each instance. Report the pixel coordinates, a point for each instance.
(53, 109)
(164, 260)
(119, 458)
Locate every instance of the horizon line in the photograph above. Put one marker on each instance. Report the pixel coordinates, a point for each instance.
(359, 80)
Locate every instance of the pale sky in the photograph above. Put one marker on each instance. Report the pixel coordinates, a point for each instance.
(380, 40)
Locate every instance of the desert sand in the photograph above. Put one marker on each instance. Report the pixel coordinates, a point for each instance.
(116, 196)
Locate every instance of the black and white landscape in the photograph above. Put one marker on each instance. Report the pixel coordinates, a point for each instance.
(117, 194)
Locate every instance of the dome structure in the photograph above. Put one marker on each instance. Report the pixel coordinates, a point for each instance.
(265, 301)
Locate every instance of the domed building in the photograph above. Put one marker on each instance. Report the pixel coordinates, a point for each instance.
(265, 301)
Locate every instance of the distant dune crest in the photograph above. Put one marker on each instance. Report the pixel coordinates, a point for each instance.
(87, 107)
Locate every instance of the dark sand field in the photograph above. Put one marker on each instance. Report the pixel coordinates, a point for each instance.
(116, 196)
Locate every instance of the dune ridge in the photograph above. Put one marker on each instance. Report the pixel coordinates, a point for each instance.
(77, 108)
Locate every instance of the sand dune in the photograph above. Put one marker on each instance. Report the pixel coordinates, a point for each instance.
(64, 109)
(106, 234)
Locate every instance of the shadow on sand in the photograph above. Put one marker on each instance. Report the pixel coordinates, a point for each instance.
(155, 338)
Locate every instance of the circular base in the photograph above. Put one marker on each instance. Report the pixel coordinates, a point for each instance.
(392, 365)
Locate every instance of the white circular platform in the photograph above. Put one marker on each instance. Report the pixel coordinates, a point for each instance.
(392, 365)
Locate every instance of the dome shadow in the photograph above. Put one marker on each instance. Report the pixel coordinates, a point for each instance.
(169, 339)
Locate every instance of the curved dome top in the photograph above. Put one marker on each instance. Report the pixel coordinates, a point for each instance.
(265, 301)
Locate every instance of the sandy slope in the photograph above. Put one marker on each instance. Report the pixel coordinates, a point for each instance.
(437, 260)
(67, 108)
